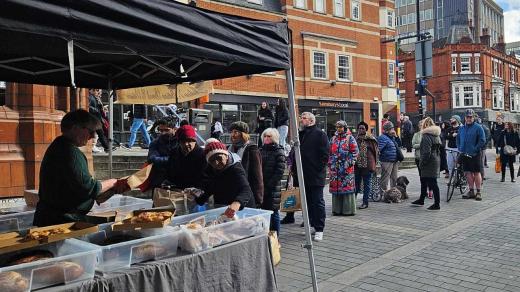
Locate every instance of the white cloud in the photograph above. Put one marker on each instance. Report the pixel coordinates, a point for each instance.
(512, 24)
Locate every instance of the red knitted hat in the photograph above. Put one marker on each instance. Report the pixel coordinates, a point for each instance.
(214, 146)
(185, 132)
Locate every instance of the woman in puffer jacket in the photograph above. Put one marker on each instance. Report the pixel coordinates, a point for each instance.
(273, 167)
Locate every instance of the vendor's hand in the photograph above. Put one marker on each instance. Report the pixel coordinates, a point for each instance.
(232, 209)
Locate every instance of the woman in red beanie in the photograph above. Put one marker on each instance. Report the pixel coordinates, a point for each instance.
(225, 179)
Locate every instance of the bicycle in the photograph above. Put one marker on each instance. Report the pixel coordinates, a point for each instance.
(457, 178)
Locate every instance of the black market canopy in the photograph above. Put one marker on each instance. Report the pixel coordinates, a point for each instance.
(132, 43)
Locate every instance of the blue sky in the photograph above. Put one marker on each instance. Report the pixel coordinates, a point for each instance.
(511, 19)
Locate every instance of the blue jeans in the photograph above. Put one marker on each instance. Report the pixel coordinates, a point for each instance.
(275, 222)
(138, 124)
(366, 185)
(283, 130)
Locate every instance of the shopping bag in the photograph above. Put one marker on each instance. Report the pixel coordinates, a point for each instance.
(290, 198)
(181, 201)
(275, 247)
(498, 164)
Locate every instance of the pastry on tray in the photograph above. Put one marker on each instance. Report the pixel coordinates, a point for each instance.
(146, 217)
(42, 234)
(13, 282)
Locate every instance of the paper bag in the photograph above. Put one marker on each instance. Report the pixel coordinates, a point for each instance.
(498, 164)
(181, 201)
(275, 247)
(135, 180)
(290, 200)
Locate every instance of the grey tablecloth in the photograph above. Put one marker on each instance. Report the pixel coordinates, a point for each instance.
(244, 265)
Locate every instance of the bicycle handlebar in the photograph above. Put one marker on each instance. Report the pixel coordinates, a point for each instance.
(459, 152)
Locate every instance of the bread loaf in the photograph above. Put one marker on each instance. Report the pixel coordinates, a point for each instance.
(13, 282)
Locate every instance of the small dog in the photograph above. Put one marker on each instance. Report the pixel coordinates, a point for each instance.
(398, 193)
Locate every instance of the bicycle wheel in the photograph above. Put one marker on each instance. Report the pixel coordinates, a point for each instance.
(451, 185)
(462, 182)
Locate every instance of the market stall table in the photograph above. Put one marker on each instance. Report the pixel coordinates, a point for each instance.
(244, 265)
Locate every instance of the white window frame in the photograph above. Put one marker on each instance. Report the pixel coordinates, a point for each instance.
(390, 18)
(391, 74)
(316, 6)
(476, 62)
(458, 91)
(259, 2)
(514, 100)
(348, 68)
(325, 56)
(454, 64)
(465, 63)
(353, 5)
(497, 94)
(302, 2)
(337, 11)
(495, 67)
(400, 72)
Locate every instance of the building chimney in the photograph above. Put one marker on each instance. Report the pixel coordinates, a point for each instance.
(485, 38)
(501, 45)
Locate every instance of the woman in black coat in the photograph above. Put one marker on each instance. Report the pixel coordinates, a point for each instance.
(265, 119)
(508, 137)
(273, 167)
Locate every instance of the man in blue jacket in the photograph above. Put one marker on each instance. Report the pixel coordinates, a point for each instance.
(388, 156)
(470, 140)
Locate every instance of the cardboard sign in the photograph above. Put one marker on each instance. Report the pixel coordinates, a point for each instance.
(164, 94)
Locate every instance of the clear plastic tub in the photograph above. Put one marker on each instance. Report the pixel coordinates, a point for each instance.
(21, 218)
(73, 261)
(151, 244)
(249, 222)
(122, 204)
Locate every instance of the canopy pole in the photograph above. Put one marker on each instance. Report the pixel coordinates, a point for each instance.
(111, 125)
(293, 118)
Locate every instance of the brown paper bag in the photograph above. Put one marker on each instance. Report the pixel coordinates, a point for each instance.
(498, 164)
(290, 198)
(135, 180)
(181, 201)
(275, 247)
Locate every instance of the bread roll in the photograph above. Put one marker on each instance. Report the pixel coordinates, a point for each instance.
(58, 273)
(13, 282)
(148, 251)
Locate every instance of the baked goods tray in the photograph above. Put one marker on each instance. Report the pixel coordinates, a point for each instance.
(55, 263)
(120, 249)
(16, 218)
(248, 222)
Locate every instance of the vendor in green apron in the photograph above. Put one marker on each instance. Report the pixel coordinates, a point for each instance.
(67, 190)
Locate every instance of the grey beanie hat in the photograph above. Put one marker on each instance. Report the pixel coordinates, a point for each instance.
(239, 126)
(388, 126)
(341, 123)
(457, 118)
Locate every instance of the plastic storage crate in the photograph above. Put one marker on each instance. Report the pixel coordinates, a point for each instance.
(250, 222)
(155, 243)
(49, 272)
(21, 218)
(123, 204)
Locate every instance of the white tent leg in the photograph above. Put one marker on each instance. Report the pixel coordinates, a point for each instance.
(293, 123)
(111, 126)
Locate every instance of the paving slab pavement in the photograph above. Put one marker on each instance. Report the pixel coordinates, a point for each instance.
(466, 246)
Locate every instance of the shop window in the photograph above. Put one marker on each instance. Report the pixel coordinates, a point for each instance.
(230, 115)
(319, 65)
(215, 111)
(2, 93)
(248, 115)
(339, 7)
(319, 6)
(498, 97)
(344, 65)
(355, 10)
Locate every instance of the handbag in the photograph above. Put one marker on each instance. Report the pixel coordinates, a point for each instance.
(498, 164)
(508, 149)
(290, 200)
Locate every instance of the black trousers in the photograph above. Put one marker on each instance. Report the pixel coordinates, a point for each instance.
(430, 183)
(509, 161)
(315, 207)
(102, 138)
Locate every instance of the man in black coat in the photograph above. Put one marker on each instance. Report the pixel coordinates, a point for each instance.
(314, 149)
(95, 107)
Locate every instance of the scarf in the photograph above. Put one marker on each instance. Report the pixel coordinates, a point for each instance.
(239, 148)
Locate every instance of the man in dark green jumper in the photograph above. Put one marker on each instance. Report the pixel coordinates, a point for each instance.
(67, 190)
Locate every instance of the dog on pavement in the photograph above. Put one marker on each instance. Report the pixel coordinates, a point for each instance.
(398, 193)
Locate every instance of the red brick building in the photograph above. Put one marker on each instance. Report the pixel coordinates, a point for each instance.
(342, 71)
(466, 75)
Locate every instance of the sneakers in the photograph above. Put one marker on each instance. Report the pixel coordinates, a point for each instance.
(418, 202)
(96, 149)
(434, 207)
(318, 236)
(469, 195)
(478, 196)
(313, 231)
(363, 206)
(126, 146)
